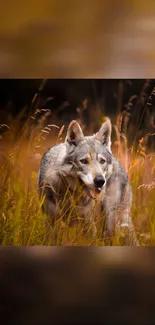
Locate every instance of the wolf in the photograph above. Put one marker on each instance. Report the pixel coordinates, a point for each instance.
(81, 178)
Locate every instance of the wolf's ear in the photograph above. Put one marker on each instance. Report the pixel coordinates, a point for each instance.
(104, 134)
(74, 133)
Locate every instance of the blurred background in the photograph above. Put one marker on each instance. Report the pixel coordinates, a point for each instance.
(76, 39)
(77, 286)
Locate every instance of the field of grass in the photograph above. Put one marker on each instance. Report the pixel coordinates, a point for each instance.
(22, 221)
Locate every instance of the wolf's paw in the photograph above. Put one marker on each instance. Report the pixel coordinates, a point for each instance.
(127, 234)
(124, 226)
(124, 229)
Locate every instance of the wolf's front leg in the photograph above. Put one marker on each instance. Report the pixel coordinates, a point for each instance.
(108, 229)
(124, 228)
(119, 226)
(52, 211)
(90, 229)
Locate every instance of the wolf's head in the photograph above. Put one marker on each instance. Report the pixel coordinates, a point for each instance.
(90, 157)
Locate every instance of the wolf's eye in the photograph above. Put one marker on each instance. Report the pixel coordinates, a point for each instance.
(84, 161)
(102, 161)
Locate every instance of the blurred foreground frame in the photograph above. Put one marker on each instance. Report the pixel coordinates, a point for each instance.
(81, 39)
(56, 285)
(61, 285)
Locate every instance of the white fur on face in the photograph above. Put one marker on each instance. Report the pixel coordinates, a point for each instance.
(110, 169)
(87, 179)
(100, 157)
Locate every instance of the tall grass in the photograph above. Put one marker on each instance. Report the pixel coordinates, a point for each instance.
(22, 221)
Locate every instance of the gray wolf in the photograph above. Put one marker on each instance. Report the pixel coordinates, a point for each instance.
(81, 178)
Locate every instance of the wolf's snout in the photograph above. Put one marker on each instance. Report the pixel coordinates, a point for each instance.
(99, 181)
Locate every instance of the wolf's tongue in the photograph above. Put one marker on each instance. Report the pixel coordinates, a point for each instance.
(95, 193)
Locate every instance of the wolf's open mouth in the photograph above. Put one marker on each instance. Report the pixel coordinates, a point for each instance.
(93, 193)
